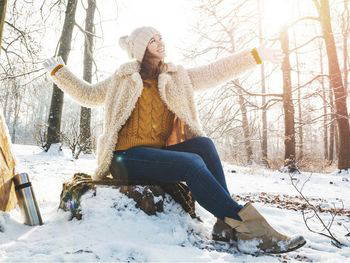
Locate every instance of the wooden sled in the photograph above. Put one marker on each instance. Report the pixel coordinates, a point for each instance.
(8, 199)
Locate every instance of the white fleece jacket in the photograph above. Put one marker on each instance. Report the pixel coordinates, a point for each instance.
(120, 92)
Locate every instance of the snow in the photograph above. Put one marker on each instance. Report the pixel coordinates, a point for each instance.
(113, 229)
(54, 150)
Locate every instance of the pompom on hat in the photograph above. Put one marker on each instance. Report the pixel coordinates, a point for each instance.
(136, 43)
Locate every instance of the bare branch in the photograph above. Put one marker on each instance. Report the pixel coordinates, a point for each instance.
(313, 18)
(257, 94)
(330, 235)
(306, 43)
(86, 32)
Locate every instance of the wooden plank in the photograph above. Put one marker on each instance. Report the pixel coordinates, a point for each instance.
(8, 199)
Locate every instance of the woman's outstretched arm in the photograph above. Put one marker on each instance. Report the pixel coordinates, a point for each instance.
(223, 70)
(84, 93)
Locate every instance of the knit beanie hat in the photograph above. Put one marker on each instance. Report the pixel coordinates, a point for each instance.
(136, 43)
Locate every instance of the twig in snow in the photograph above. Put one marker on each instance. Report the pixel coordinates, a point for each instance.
(326, 228)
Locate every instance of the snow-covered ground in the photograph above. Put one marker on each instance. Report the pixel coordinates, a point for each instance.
(112, 228)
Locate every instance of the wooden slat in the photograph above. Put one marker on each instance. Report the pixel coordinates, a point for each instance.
(8, 198)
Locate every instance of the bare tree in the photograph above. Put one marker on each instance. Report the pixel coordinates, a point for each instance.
(40, 135)
(345, 27)
(288, 106)
(72, 138)
(17, 102)
(300, 144)
(332, 128)
(57, 98)
(85, 113)
(340, 104)
(324, 96)
(245, 126)
(3, 5)
(227, 39)
(264, 156)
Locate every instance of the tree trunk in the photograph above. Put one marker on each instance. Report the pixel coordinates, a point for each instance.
(85, 113)
(3, 4)
(263, 99)
(8, 198)
(337, 86)
(243, 109)
(336, 140)
(331, 128)
(300, 119)
(245, 126)
(15, 114)
(7, 97)
(345, 44)
(325, 119)
(288, 107)
(54, 120)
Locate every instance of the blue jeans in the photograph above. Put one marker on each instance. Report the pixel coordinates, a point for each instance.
(194, 161)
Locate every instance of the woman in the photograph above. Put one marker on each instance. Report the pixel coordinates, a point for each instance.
(152, 130)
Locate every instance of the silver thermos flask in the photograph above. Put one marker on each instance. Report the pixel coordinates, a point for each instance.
(26, 200)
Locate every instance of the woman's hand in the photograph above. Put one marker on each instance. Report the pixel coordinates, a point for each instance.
(51, 63)
(270, 54)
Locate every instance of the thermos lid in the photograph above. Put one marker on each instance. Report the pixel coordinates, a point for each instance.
(21, 180)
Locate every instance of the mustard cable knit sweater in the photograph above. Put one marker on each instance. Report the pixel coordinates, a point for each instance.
(150, 122)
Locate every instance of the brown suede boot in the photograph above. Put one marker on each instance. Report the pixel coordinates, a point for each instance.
(223, 232)
(254, 227)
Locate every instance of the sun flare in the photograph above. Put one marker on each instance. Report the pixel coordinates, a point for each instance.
(276, 14)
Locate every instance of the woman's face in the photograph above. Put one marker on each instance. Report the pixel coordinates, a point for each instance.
(156, 47)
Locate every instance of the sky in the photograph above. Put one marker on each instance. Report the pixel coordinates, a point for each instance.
(173, 19)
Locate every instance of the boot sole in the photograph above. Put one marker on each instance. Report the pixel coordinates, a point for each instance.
(222, 239)
(289, 250)
(275, 253)
(219, 238)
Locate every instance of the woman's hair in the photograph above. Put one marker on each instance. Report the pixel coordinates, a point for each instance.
(148, 70)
